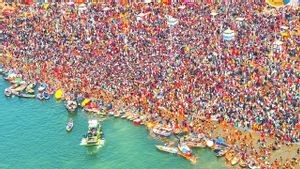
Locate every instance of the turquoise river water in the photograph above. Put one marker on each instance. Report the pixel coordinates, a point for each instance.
(33, 136)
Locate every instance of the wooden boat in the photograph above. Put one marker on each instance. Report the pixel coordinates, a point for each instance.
(124, 116)
(193, 159)
(229, 155)
(117, 114)
(161, 132)
(167, 149)
(29, 88)
(196, 144)
(18, 89)
(29, 91)
(236, 159)
(222, 152)
(69, 125)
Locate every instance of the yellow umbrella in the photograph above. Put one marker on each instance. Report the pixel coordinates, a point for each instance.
(85, 101)
(58, 94)
(46, 6)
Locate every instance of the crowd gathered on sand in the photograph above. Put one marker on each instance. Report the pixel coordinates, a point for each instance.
(181, 76)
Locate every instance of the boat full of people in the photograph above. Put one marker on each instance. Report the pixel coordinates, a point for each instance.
(94, 135)
(71, 105)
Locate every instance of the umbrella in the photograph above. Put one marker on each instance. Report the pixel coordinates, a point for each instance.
(181, 7)
(106, 9)
(213, 13)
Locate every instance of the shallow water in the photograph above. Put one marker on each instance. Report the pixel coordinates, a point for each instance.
(33, 136)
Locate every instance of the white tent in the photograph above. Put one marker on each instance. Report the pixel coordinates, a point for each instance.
(106, 9)
(213, 13)
(228, 34)
(172, 21)
(181, 7)
(240, 19)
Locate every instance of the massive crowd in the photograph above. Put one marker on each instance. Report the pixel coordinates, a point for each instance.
(131, 57)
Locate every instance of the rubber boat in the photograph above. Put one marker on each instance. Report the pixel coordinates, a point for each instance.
(69, 125)
(137, 121)
(167, 149)
(236, 159)
(94, 136)
(161, 132)
(7, 92)
(71, 105)
(185, 149)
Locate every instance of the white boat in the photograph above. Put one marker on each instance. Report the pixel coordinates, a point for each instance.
(94, 136)
(69, 125)
(172, 150)
(161, 132)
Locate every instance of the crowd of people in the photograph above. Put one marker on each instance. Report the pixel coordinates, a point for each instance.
(131, 57)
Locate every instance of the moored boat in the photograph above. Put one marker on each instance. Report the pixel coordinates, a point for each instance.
(236, 159)
(19, 89)
(94, 136)
(161, 132)
(30, 87)
(172, 150)
(69, 125)
(192, 158)
(183, 148)
(229, 155)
